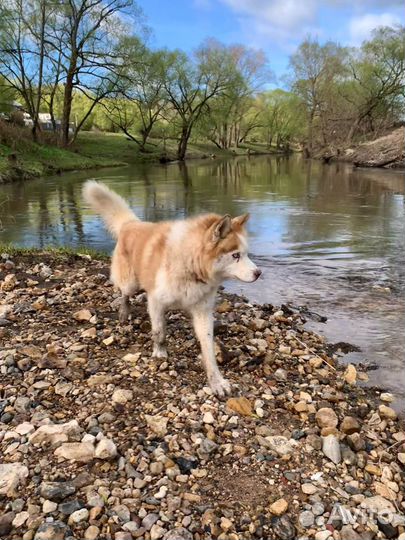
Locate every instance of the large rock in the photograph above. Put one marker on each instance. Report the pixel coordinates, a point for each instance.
(11, 476)
(281, 445)
(350, 425)
(331, 448)
(326, 418)
(158, 424)
(106, 449)
(379, 506)
(178, 534)
(82, 452)
(56, 491)
(56, 433)
(122, 396)
(51, 531)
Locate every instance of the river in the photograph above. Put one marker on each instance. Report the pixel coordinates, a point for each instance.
(326, 236)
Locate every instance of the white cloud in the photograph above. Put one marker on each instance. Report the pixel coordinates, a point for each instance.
(286, 22)
(360, 27)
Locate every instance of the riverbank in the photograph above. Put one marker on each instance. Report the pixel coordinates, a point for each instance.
(98, 440)
(387, 152)
(25, 159)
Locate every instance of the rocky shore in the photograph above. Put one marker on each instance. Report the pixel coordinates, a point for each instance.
(99, 441)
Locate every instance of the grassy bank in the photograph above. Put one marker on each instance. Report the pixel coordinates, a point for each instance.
(25, 159)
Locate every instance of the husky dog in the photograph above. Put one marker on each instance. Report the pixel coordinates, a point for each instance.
(179, 264)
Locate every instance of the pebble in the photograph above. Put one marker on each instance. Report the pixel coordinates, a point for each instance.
(106, 449)
(78, 516)
(279, 507)
(82, 452)
(306, 519)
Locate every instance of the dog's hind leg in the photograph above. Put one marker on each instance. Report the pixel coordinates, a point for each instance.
(123, 277)
(157, 319)
(204, 329)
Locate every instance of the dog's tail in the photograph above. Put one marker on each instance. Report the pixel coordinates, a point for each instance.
(112, 208)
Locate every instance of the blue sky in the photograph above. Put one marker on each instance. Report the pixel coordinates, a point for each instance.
(276, 26)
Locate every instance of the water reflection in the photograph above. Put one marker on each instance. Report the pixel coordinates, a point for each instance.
(326, 235)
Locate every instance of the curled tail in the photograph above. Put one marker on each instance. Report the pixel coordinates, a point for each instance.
(112, 208)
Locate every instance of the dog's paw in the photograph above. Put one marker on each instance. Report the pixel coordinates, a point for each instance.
(159, 352)
(220, 386)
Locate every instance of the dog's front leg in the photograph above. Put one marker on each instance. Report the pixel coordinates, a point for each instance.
(157, 319)
(204, 329)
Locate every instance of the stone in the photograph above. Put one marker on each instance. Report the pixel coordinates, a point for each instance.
(378, 505)
(56, 491)
(149, 520)
(387, 397)
(306, 519)
(82, 452)
(20, 519)
(350, 425)
(122, 396)
(280, 375)
(350, 375)
(156, 532)
(309, 489)
(387, 529)
(283, 528)
(56, 433)
(240, 405)
(208, 418)
(24, 429)
(373, 469)
(279, 507)
(179, 533)
(82, 315)
(387, 412)
(69, 507)
(6, 521)
(323, 535)
(106, 449)
(158, 424)
(356, 442)
(206, 448)
(51, 531)
(122, 512)
(108, 341)
(326, 418)
(331, 448)
(318, 509)
(92, 533)
(12, 475)
(49, 506)
(348, 533)
(225, 524)
(79, 516)
(279, 444)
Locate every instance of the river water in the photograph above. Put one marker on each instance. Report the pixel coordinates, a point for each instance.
(326, 236)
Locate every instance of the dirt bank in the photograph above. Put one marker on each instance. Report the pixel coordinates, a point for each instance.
(387, 151)
(97, 440)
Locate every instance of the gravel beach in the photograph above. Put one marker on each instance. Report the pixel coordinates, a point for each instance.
(100, 441)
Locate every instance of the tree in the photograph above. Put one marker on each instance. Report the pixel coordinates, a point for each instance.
(315, 70)
(142, 98)
(233, 115)
(377, 85)
(23, 43)
(193, 82)
(92, 51)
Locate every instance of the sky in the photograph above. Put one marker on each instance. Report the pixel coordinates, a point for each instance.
(276, 26)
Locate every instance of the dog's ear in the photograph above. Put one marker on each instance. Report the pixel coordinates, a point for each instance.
(222, 228)
(239, 221)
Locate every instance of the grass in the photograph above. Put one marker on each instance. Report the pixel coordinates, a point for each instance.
(93, 150)
(15, 251)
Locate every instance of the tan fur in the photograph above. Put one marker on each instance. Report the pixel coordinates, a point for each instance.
(180, 264)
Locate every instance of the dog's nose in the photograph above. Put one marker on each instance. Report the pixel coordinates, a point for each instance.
(257, 273)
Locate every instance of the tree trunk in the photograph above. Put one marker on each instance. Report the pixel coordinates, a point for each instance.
(36, 125)
(310, 144)
(182, 147)
(67, 101)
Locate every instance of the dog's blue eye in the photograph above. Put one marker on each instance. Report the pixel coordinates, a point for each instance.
(236, 256)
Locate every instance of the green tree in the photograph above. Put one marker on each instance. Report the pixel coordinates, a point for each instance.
(193, 82)
(315, 71)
